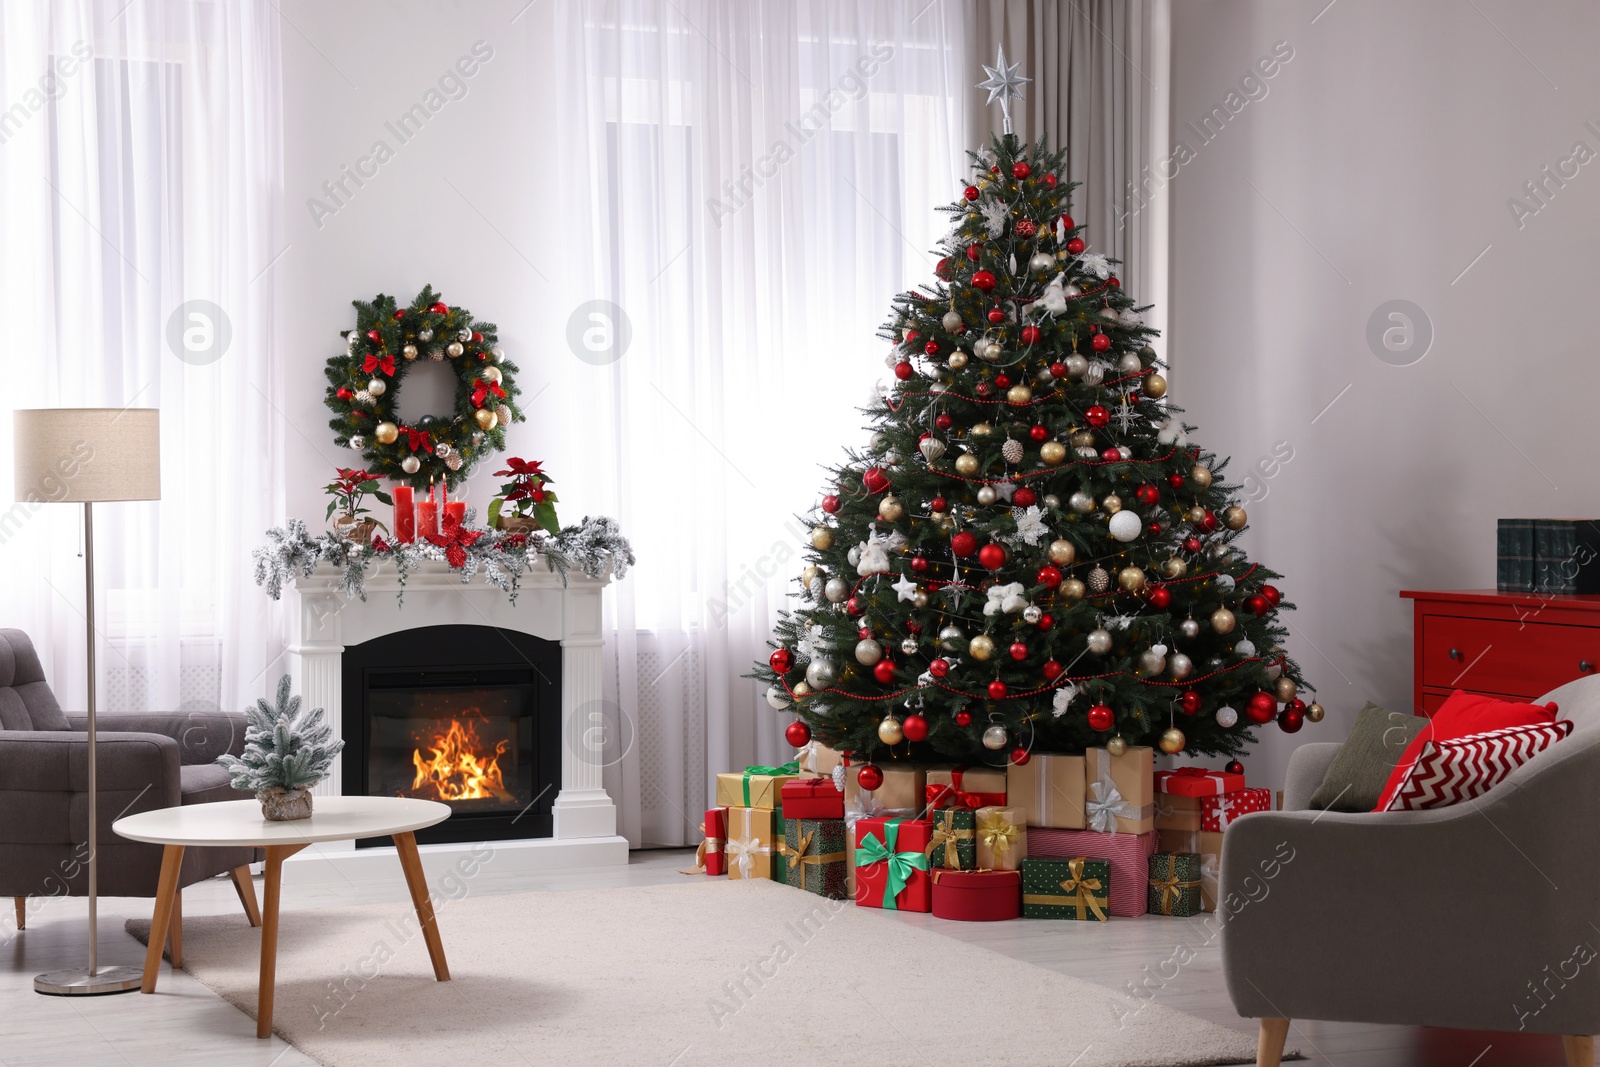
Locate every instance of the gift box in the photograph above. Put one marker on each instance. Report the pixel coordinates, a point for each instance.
(1209, 848)
(816, 758)
(1119, 791)
(1219, 812)
(961, 786)
(1048, 791)
(812, 798)
(1002, 839)
(752, 842)
(1174, 884)
(1075, 887)
(977, 896)
(954, 845)
(1178, 812)
(815, 854)
(710, 855)
(1128, 855)
(1197, 782)
(901, 789)
(864, 805)
(780, 863)
(892, 864)
(755, 787)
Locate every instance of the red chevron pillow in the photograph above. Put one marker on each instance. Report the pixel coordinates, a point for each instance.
(1448, 772)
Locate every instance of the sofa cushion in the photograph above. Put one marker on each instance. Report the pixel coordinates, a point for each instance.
(1448, 772)
(26, 702)
(1462, 715)
(203, 783)
(1357, 775)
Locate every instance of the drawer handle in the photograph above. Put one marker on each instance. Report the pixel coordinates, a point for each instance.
(1584, 666)
(1455, 653)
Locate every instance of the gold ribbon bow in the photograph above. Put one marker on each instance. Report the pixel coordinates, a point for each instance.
(997, 834)
(1081, 893)
(799, 855)
(944, 833)
(708, 846)
(1170, 887)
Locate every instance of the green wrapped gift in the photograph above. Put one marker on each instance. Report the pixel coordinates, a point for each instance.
(955, 839)
(1078, 888)
(816, 856)
(1175, 884)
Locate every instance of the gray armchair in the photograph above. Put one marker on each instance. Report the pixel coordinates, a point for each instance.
(1481, 916)
(145, 762)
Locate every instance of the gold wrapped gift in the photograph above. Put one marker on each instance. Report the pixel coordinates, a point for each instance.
(1002, 839)
(901, 789)
(1049, 791)
(751, 843)
(755, 787)
(1119, 791)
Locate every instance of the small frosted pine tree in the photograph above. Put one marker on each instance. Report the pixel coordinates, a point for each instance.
(284, 747)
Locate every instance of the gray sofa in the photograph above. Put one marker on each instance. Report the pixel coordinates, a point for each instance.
(1483, 916)
(145, 762)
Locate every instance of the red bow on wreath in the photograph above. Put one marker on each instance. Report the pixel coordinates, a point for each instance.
(384, 363)
(482, 391)
(455, 548)
(419, 439)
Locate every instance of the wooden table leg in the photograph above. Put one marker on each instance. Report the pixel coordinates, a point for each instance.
(22, 912)
(247, 893)
(166, 895)
(175, 931)
(276, 854)
(406, 845)
(1269, 1042)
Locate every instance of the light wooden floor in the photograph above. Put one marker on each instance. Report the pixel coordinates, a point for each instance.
(186, 1024)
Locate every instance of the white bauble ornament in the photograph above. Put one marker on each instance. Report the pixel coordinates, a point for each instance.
(952, 321)
(424, 336)
(1129, 319)
(853, 556)
(1182, 666)
(1125, 525)
(952, 639)
(1094, 374)
(777, 698)
(821, 673)
(463, 334)
(1245, 648)
(1051, 500)
(909, 646)
(995, 738)
(411, 464)
(358, 442)
(498, 354)
(1151, 662)
(1081, 502)
(1032, 614)
(1227, 717)
(836, 590)
(1225, 583)
(454, 349)
(1108, 314)
(491, 374)
(443, 451)
(1128, 363)
(1099, 641)
(1189, 628)
(868, 652)
(986, 495)
(1076, 365)
(1041, 262)
(377, 387)
(931, 448)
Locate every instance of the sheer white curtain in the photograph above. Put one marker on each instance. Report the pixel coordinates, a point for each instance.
(139, 185)
(748, 184)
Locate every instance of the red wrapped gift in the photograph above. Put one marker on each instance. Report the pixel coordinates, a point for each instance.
(710, 857)
(1128, 854)
(1216, 816)
(977, 896)
(966, 787)
(812, 798)
(892, 864)
(1198, 782)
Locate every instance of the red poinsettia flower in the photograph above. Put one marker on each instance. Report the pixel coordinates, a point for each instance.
(518, 466)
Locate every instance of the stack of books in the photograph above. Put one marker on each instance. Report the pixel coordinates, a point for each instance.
(1548, 556)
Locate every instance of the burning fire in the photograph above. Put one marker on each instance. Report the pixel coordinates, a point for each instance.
(459, 768)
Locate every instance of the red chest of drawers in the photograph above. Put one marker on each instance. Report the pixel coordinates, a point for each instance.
(1515, 645)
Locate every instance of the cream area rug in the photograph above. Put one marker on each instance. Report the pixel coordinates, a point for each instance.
(710, 973)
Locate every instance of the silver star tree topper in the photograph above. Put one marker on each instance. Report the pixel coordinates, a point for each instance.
(1004, 84)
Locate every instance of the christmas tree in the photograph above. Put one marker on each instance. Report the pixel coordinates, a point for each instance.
(1031, 555)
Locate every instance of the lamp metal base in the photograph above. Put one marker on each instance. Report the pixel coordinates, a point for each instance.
(79, 983)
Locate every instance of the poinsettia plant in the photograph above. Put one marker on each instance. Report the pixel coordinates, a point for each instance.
(526, 495)
(347, 491)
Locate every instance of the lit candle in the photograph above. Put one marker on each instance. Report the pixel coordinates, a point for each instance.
(428, 514)
(405, 514)
(455, 513)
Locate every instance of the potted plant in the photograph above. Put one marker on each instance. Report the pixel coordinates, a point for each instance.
(346, 493)
(286, 752)
(524, 504)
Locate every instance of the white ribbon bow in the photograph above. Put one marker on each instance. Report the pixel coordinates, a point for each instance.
(743, 851)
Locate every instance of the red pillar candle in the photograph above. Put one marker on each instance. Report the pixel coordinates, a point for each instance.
(405, 514)
(455, 512)
(428, 515)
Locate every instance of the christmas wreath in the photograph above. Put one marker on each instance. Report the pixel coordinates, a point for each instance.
(364, 387)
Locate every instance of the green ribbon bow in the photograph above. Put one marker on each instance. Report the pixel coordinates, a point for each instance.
(874, 849)
(792, 767)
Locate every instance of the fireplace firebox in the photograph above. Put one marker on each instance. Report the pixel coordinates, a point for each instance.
(467, 715)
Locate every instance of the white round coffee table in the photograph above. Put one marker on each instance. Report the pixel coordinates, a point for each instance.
(240, 823)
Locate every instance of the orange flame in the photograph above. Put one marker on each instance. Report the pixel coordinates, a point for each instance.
(458, 767)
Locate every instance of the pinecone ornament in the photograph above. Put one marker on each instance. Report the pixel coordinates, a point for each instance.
(1011, 451)
(1099, 580)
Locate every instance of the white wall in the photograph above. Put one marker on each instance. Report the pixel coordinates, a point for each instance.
(1378, 165)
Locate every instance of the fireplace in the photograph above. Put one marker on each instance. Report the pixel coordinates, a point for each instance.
(466, 715)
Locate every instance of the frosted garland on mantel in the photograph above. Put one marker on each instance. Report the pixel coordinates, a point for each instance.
(595, 547)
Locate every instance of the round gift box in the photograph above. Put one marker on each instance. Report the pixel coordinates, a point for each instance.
(977, 896)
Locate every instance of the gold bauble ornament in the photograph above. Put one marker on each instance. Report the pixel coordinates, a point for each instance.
(1062, 552)
(966, 463)
(810, 574)
(1019, 394)
(1222, 621)
(1052, 452)
(890, 731)
(1197, 515)
(1173, 567)
(1285, 690)
(919, 599)
(1155, 386)
(490, 374)
(1082, 439)
(1314, 713)
(486, 419)
(386, 433)
(981, 647)
(1200, 475)
(1131, 578)
(957, 360)
(1234, 517)
(1172, 741)
(1071, 589)
(1117, 745)
(801, 690)
(1112, 503)
(889, 509)
(822, 538)
(982, 429)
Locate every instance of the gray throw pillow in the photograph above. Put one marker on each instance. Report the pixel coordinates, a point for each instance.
(1357, 775)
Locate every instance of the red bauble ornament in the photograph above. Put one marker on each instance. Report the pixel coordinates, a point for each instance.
(911, 338)
(374, 336)
(963, 718)
(1019, 756)
(1026, 228)
(1050, 180)
(1209, 524)
(874, 479)
(1023, 497)
(1155, 529)
(931, 348)
(1290, 719)
(781, 661)
(1191, 544)
(964, 543)
(399, 313)
(939, 667)
(477, 338)
(944, 420)
(1020, 169)
(1046, 621)
(1019, 651)
(996, 316)
(1261, 709)
(1101, 718)
(1030, 335)
(1049, 576)
(997, 690)
(1175, 480)
(903, 371)
(344, 394)
(914, 727)
(883, 670)
(938, 503)
(974, 251)
(1002, 381)
(439, 308)
(1039, 434)
(970, 192)
(1076, 246)
(1256, 604)
(1067, 223)
(1051, 670)
(1189, 702)
(992, 555)
(1058, 370)
(1271, 593)
(1097, 416)
(797, 734)
(830, 504)
(914, 626)
(1147, 494)
(1234, 767)
(855, 605)
(1113, 282)
(919, 564)
(1160, 597)
(983, 280)
(870, 777)
(942, 268)
(1100, 342)
(983, 389)
(1111, 454)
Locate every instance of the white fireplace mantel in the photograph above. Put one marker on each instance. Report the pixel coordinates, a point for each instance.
(323, 622)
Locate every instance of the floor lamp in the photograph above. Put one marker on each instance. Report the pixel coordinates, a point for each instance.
(88, 455)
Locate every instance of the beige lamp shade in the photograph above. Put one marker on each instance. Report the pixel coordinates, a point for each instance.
(71, 455)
